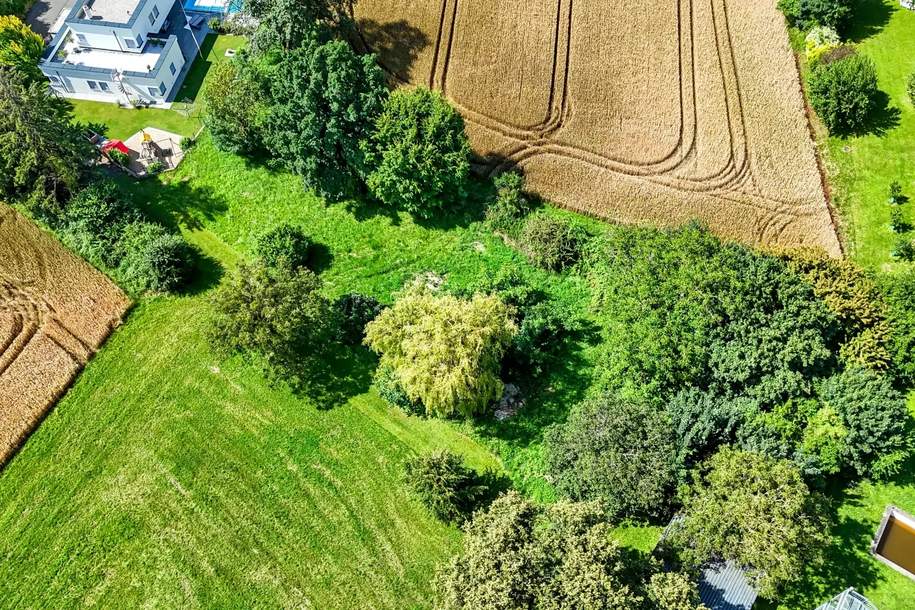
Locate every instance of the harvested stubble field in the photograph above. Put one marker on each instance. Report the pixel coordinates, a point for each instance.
(634, 111)
(55, 311)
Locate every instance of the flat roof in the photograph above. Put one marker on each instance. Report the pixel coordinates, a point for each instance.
(144, 61)
(113, 11)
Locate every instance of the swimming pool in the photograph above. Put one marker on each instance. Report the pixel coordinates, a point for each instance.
(895, 541)
(213, 6)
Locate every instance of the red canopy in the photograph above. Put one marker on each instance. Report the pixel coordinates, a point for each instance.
(116, 145)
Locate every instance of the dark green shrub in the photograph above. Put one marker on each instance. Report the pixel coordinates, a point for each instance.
(910, 87)
(619, 452)
(355, 311)
(703, 422)
(419, 153)
(285, 245)
(844, 93)
(391, 392)
(511, 204)
(153, 259)
(552, 243)
(445, 485)
(896, 194)
(897, 221)
(541, 328)
(805, 14)
(94, 221)
(875, 416)
(903, 249)
(898, 291)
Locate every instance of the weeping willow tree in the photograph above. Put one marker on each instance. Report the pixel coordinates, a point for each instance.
(444, 351)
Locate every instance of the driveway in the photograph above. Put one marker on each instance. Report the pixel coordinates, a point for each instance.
(44, 14)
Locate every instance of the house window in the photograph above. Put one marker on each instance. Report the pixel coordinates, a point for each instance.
(131, 43)
(82, 40)
(154, 15)
(153, 91)
(54, 80)
(103, 86)
(139, 41)
(171, 68)
(162, 88)
(92, 84)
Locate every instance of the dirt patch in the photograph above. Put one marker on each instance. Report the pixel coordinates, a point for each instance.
(632, 110)
(55, 311)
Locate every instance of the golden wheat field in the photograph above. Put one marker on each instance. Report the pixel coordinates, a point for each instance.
(631, 110)
(55, 311)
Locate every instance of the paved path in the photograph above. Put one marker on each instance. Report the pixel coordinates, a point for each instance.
(43, 15)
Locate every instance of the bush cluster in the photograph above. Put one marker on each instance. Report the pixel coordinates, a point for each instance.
(325, 113)
(105, 228)
(910, 87)
(740, 348)
(552, 243)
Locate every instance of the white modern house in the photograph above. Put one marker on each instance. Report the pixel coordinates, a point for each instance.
(123, 51)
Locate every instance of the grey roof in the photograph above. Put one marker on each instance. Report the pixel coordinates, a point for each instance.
(849, 599)
(724, 586)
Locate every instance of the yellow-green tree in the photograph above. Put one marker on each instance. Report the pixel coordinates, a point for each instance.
(20, 47)
(444, 351)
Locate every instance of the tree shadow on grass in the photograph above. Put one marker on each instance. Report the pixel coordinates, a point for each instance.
(547, 397)
(333, 375)
(847, 563)
(870, 17)
(882, 119)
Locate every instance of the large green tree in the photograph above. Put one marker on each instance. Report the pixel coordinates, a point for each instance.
(20, 48)
(235, 105)
(616, 451)
(518, 555)
(289, 24)
(325, 101)
(444, 351)
(680, 308)
(755, 510)
(42, 154)
(275, 313)
(875, 417)
(419, 153)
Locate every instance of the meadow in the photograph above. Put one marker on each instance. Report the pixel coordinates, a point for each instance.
(862, 167)
(169, 476)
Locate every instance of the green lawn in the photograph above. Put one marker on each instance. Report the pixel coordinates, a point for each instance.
(862, 168)
(170, 477)
(182, 118)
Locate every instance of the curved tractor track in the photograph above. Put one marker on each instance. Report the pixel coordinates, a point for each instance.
(728, 62)
(55, 311)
